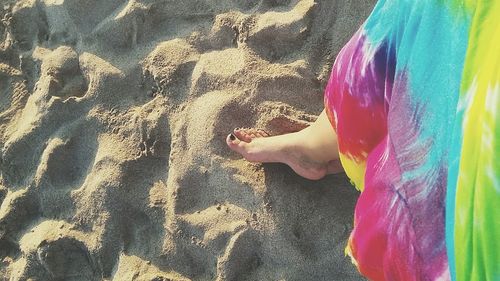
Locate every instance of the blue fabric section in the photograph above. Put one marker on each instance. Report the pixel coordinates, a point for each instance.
(431, 44)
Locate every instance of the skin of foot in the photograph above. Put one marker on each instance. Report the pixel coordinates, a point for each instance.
(312, 152)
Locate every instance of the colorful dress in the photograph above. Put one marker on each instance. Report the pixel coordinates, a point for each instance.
(414, 98)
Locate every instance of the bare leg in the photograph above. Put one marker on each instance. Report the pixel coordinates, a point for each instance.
(311, 153)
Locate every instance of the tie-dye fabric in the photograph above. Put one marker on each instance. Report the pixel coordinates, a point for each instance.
(414, 97)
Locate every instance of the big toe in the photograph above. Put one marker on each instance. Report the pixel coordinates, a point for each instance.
(236, 144)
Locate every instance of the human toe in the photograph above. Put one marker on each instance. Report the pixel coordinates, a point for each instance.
(242, 134)
(235, 143)
(261, 133)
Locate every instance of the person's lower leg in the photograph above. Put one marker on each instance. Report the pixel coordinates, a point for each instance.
(319, 140)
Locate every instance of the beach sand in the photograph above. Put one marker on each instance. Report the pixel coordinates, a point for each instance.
(113, 119)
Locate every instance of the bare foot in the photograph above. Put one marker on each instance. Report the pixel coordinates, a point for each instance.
(294, 149)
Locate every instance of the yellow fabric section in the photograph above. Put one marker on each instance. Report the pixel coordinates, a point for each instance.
(355, 171)
(477, 212)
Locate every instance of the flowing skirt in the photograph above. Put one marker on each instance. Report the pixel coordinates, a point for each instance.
(414, 97)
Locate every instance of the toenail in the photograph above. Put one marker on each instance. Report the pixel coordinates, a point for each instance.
(236, 129)
(232, 137)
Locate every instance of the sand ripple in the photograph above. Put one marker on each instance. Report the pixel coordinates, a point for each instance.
(113, 116)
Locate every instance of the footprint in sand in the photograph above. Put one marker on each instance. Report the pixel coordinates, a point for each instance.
(62, 79)
(67, 159)
(62, 71)
(241, 257)
(17, 210)
(212, 72)
(277, 33)
(66, 258)
(167, 69)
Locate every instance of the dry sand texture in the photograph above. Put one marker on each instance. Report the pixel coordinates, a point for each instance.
(113, 116)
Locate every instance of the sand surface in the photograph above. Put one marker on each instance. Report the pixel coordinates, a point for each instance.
(113, 118)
